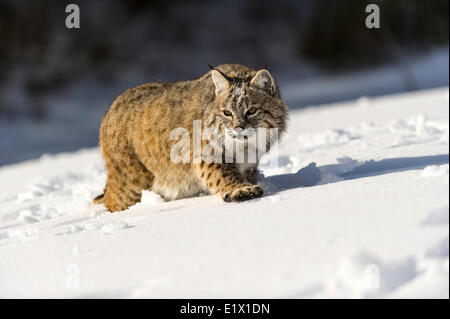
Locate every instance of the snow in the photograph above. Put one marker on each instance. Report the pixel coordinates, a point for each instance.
(150, 198)
(426, 71)
(358, 207)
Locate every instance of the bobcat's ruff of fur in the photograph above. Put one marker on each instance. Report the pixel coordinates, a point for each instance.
(135, 135)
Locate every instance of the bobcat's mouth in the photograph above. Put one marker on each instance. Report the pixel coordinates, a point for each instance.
(241, 135)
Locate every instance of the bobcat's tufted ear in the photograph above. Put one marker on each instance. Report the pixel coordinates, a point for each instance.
(221, 83)
(263, 81)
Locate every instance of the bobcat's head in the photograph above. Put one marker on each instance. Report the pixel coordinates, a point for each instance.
(245, 101)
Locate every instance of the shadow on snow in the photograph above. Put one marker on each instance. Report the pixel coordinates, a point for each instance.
(312, 175)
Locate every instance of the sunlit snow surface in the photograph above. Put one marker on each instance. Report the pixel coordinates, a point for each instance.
(358, 208)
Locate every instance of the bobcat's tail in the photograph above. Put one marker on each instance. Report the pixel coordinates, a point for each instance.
(100, 199)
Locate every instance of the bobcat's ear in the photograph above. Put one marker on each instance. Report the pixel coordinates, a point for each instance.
(263, 81)
(221, 83)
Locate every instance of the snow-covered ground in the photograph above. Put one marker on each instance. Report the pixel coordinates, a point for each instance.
(358, 207)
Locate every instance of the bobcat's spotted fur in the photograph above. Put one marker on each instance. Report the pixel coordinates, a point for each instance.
(135, 135)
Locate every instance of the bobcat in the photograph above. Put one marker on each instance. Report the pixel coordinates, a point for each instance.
(136, 143)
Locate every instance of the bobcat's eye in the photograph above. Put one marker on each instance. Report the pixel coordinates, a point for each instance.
(227, 113)
(251, 111)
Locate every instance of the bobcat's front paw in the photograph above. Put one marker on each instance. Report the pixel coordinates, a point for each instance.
(243, 193)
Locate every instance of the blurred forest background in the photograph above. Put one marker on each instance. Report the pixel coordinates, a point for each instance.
(56, 83)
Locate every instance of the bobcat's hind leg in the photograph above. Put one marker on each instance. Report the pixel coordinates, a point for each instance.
(126, 180)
